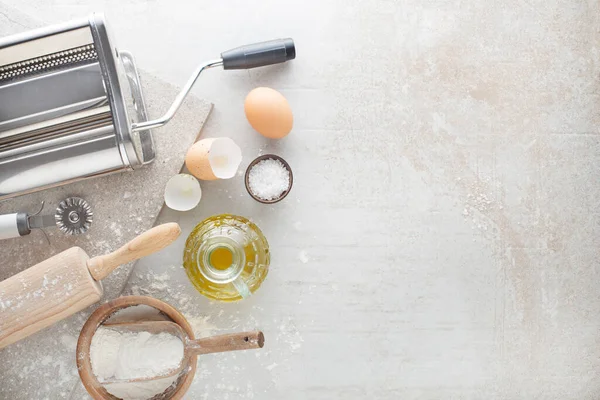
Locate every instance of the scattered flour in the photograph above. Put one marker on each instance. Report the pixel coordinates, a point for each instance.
(162, 277)
(201, 326)
(303, 257)
(270, 367)
(116, 230)
(69, 341)
(46, 360)
(159, 282)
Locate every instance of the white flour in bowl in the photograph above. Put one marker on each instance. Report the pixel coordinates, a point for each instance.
(123, 355)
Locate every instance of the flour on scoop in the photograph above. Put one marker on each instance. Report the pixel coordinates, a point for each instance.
(122, 355)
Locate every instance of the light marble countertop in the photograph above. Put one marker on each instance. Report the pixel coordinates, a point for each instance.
(441, 238)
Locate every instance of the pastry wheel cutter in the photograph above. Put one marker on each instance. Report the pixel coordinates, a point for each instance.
(73, 216)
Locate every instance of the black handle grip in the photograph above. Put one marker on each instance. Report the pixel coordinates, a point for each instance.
(23, 224)
(259, 54)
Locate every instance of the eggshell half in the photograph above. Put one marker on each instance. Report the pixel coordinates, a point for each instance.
(214, 158)
(182, 192)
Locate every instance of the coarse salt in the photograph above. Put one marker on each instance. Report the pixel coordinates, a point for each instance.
(268, 179)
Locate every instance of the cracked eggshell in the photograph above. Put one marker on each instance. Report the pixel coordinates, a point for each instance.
(214, 158)
(182, 192)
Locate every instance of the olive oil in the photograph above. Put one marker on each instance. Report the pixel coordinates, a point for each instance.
(221, 258)
(226, 257)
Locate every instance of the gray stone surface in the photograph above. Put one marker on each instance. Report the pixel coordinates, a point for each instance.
(441, 239)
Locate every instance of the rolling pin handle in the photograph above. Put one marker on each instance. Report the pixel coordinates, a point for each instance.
(13, 225)
(145, 244)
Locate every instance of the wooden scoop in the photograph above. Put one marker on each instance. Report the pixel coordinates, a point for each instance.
(213, 344)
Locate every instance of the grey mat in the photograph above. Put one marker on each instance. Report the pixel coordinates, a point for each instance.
(43, 365)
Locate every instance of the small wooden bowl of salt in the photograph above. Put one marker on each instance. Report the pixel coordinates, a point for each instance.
(111, 346)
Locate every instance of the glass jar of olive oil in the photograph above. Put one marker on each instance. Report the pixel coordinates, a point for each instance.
(226, 257)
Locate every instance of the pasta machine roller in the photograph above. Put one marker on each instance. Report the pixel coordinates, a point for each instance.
(71, 104)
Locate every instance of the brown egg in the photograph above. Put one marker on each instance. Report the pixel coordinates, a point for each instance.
(269, 112)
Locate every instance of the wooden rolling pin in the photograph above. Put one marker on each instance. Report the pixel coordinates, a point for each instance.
(67, 283)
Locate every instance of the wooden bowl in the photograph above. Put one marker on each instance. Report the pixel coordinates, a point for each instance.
(104, 312)
(256, 161)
